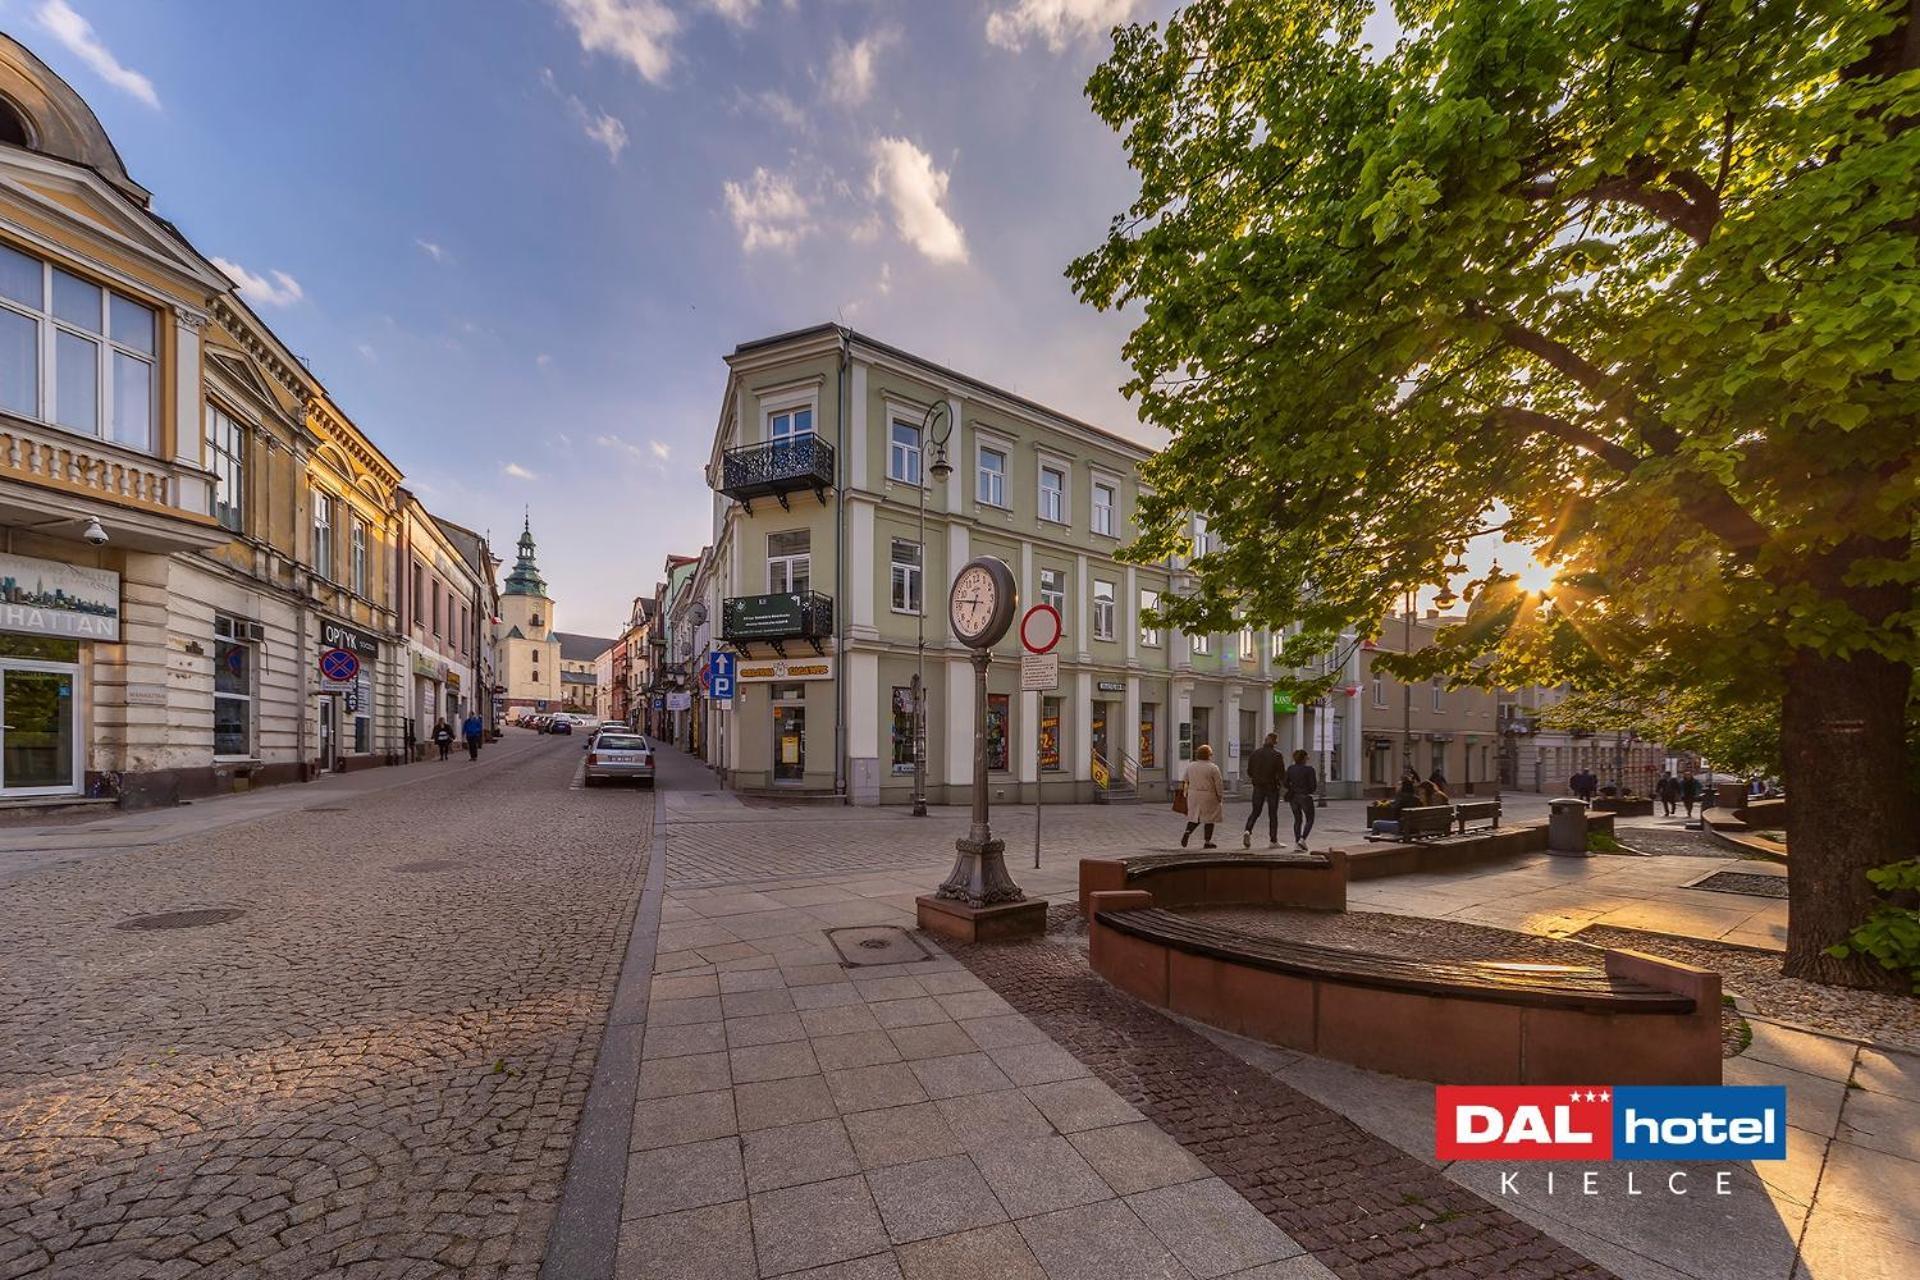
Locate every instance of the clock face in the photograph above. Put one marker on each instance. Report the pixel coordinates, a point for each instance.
(976, 597)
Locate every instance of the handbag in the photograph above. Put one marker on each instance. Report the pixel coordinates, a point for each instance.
(1180, 798)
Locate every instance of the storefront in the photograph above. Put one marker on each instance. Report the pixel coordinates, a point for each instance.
(50, 615)
(344, 714)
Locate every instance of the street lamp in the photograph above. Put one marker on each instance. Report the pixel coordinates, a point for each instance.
(938, 417)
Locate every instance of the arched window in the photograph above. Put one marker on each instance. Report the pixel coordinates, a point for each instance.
(13, 126)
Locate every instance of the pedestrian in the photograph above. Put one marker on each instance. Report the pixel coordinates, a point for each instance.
(1263, 775)
(471, 729)
(1431, 794)
(1438, 779)
(1689, 792)
(443, 738)
(1407, 797)
(1303, 788)
(1668, 791)
(1206, 792)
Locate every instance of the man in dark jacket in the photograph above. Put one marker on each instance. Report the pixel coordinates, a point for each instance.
(1263, 775)
(1302, 785)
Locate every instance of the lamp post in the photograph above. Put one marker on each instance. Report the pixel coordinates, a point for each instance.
(938, 417)
(1406, 694)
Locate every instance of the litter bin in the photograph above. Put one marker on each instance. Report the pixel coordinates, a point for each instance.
(1567, 826)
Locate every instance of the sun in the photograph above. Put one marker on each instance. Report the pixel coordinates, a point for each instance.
(1537, 577)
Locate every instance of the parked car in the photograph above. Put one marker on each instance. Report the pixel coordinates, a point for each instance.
(618, 757)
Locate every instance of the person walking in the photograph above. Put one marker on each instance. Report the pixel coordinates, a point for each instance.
(1303, 788)
(1206, 792)
(1667, 790)
(471, 729)
(443, 738)
(1263, 775)
(1689, 792)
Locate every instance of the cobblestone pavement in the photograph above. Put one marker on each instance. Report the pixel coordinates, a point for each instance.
(374, 1071)
(1362, 1207)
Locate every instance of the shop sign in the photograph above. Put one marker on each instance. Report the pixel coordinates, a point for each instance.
(1283, 704)
(430, 667)
(785, 669)
(453, 678)
(772, 617)
(338, 635)
(1110, 686)
(679, 702)
(51, 598)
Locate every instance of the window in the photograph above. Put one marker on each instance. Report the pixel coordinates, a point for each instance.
(993, 477)
(1278, 641)
(357, 554)
(1102, 610)
(1149, 633)
(1202, 643)
(902, 729)
(1050, 735)
(232, 687)
(1149, 735)
(1379, 762)
(906, 576)
(435, 588)
(1053, 495)
(1439, 696)
(1379, 690)
(1246, 644)
(226, 454)
(466, 629)
(97, 345)
(999, 717)
(903, 453)
(1053, 591)
(789, 565)
(323, 534)
(789, 423)
(419, 594)
(1199, 536)
(1104, 501)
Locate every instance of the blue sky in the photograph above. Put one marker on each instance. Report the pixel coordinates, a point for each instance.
(516, 237)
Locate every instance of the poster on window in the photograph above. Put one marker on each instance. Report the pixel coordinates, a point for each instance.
(999, 718)
(902, 730)
(1050, 734)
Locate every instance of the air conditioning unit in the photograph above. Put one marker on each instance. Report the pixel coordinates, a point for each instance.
(256, 632)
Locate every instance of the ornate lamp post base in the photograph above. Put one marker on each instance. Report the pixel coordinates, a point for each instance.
(963, 923)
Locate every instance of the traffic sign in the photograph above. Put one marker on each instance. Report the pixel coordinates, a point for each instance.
(339, 665)
(1039, 672)
(722, 674)
(1040, 629)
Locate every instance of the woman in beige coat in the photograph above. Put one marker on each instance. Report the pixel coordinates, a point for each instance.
(1206, 797)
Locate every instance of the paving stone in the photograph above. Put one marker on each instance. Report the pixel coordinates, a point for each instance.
(1304, 1267)
(1039, 1176)
(1883, 1071)
(695, 1073)
(770, 1103)
(985, 1253)
(973, 1004)
(876, 989)
(1136, 1157)
(950, 982)
(933, 1198)
(675, 1013)
(1037, 1063)
(839, 1020)
(1001, 1031)
(860, 1049)
(688, 1117)
(825, 996)
(764, 1028)
(793, 1154)
(667, 1179)
(765, 979)
(773, 1062)
(1073, 1105)
(983, 1120)
(679, 1042)
(672, 988)
(743, 1004)
(813, 975)
(712, 1243)
(1881, 1122)
(889, 1084)
(935, 1040)
(1210, 1228)
(958, 1076)
(901, 1135)
(1103, 1241)
(917, 1012)
(815, 1224)
(881, 1266)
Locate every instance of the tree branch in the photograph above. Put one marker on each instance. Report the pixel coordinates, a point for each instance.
(1532, 422)
(1696, 221)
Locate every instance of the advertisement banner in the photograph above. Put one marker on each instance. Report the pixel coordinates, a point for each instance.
(50, 598)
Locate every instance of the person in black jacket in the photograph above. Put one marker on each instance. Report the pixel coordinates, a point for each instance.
(1302, 785)
(1263, 775)
(443, 738)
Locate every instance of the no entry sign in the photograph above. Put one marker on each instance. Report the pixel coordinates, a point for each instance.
(339, 666)
(1040, 629)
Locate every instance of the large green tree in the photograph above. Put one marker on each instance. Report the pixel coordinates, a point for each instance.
(1634, 281)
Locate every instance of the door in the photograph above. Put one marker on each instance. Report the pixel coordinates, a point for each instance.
(39, 753)
(1202, 728)
(789, 744)
(1102, 715)
(1249, 733)
(329, 733)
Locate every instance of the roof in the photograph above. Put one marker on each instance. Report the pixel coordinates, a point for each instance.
(575, 647)
(472, 547)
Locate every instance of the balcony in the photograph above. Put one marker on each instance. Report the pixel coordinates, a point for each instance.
(774, 620)
(55, 480)
(776, 469)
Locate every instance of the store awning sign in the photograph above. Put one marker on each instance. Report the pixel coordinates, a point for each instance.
(50, 598)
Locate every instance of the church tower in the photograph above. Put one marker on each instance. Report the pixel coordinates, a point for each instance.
(529, 650)
(524, 602)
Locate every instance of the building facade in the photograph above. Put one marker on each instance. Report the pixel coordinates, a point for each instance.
(446, 604)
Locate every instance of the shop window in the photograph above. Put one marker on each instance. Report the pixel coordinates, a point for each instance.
(233, 660)
(902, 729)
(999, 722)
(1149, 735)
(1380, 762)
(1050, 735)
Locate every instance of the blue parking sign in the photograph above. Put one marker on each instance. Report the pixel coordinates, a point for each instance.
(721, 672)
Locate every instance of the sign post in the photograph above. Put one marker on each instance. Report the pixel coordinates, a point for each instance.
(722, 673)
(1039, 672)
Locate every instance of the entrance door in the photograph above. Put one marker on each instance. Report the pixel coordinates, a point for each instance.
(1202, 728)
(789, 744)
(1102, 716)
(39, 754)
(329, 733)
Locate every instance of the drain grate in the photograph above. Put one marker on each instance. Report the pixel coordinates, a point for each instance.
(183, 919)
(875, 944)
(1755, 886)
(432, 864)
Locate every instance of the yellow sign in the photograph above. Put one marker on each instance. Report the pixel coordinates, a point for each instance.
(790, 749)
(1102, 776)
(787, 669)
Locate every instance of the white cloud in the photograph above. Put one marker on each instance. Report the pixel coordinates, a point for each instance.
(1057, 22)
(768, 212)
(604, 129)
(738, 12)
(367, 352)
(281, 290)
(619, 446)
(640, 32)
(76, 33)
(435, 251)
(660, 450)
(904, 176)
(782, 108)
(850, 72)
(514, 471)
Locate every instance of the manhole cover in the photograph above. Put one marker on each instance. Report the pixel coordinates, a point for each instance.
(1756, 886)
(183, 919)
(875, 944)
(435, 864)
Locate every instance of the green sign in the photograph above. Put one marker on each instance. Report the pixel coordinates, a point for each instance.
(771, 617)
(1283, 704)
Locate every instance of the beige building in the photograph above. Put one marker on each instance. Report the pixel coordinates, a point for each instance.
(541, 669)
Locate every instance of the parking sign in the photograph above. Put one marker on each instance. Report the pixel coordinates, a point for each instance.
(721, 672)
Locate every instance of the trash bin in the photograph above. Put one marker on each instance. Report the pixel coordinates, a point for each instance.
(1567, 826)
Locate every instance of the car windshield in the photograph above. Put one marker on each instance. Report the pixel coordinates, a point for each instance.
(621, 742)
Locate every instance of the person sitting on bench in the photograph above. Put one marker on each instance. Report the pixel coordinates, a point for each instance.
(1406, 798)
(1431, 794)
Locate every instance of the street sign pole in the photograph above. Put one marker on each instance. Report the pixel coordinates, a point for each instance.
(1040, 672)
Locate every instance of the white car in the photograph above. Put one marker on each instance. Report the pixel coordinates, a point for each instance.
(618, 756)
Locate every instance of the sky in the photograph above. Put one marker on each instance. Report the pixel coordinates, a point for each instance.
(515, 238)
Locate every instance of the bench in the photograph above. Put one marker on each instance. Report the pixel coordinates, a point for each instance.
(1453, 1021)
(1421, 822)
(1223, 879)
(1487, 811)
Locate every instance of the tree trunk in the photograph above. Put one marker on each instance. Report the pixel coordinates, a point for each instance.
(1850, 807)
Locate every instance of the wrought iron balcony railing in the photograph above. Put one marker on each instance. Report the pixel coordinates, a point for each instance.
(776, 619)
(777, 468)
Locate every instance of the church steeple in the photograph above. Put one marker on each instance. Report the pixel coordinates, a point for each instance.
(525, 580)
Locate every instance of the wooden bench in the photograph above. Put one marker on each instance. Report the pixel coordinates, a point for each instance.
(1487, 811)
(1421, 822)
(1650, 1021)
(1223, 879)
